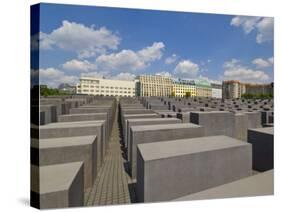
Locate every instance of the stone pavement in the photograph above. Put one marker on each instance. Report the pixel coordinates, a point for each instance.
(113, 185)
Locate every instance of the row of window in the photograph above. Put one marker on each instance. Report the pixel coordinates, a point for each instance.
(107, 87)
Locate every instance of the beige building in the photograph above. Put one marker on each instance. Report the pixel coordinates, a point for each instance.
(232, 89)
(203, 88)
(106, 87)
(259, 88)
(182, 87)
(154, 85)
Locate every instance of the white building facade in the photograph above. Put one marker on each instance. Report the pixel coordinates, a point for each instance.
(216, 90)
(106, 87)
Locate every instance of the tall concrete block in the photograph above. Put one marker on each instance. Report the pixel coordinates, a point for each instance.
(263, 148)
(70, 149)
(260, 184)
(135, 116)
(153, 121)
(155, 133)
(88, 117)
(214, 123)
(72, 129)
(240, 126)
(59, 185)
(254, 119)
(171, 169)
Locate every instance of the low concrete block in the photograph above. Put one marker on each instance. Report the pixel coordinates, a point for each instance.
(263, 148)
(185, 117)
(171, 169)
(155, 133)
(59, 185)
(261, 184)
(72, 129)
(48, 113)
(70, 149)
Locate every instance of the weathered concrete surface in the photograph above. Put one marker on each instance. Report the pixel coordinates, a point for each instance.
(59, 185)
(214, 123)
(72, 129)
(185, 117)
(155, 133)
(171, 169)
(70, 149)
(88, 117)
(48, 114)
(261, 184)
(135, 116)
(263, 148)
(148, 121)
(240, 127)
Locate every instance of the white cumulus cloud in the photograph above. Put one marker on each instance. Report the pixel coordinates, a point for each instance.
(263, 63)
(124, 76)
(79, 65)
(263, 25)
(53, 77)
(173, 58)
(85, 41)
(186, 69)
(164, 74)
(129, 60)
(234, 70)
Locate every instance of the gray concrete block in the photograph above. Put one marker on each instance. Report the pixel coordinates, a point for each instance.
(135, 116)
(260, 184)
(155, 133)
(254, 119)
(88, 117)
(185, 117)
(263, 148)
(171, 169)
(214, 123)
(240, 127)
(59, 185)
(48, 113)
(70, 149)
(73, 129)
(265, 117)
(153, 121)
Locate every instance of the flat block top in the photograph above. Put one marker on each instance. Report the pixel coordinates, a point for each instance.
(256, 185)
(212, 112)
(58, 177)
(73, 124)
(84, 114)
(135, 109)
(265, 130)
(141, 115)
(66, 141)
(153, 119)
(164, 127)
(166, 149)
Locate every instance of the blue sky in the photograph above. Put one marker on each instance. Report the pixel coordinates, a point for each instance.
(123, 43)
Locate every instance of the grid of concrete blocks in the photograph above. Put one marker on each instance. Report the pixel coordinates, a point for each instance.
(175, 148)
(68, 148)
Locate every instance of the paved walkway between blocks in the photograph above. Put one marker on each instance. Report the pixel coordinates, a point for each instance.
(113, 185)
